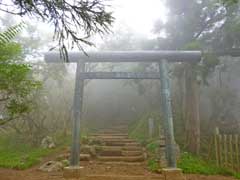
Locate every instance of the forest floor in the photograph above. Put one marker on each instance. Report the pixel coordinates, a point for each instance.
(94, 170)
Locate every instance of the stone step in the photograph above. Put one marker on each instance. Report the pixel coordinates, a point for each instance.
(113, 139)
(106, 136)
(110, 134)
(133, 144)
(114, 143)
(110, 138)
(83, 157)
(121, 143)
(132, 153)
(119, 148)
(132, 148)
(109, 148)
(123, 177)
(120, 153)
(114, 131)
(121, 158)
(119, 163)
(111, 153)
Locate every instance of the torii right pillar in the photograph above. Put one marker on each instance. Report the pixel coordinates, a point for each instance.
(171, 172)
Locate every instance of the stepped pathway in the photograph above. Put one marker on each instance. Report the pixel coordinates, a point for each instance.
(115, 146)
(118, 147)
(118, 157)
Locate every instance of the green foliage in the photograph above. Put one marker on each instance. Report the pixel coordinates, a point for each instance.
(19, 155)
(8, 35)
(65, 162)
(153, 154)
(139, 129)
(195, 165)
(153, 165)
(237, 175)
(16, 84)
(9, 52)
(208, 64)
(230, 2)
(193, 45)
(152, 146)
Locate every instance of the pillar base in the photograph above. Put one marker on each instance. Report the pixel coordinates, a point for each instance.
(73, 172)
(173, 174)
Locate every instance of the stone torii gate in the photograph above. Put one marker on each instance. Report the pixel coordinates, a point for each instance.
(160, 57)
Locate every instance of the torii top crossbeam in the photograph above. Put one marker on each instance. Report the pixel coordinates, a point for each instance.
(128, 56)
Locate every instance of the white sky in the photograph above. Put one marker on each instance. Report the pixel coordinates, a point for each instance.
(139, 15)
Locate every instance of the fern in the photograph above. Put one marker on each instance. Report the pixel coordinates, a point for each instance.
(8, 35)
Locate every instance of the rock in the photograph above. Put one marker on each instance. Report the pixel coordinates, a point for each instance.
(90, 162)
(108, 167)
(93, 151)
(48, 143)
(63, 156)
(85, 149)
(51, 166)
(145, 155)
(85, 157)
(89, 150)
(51, 146)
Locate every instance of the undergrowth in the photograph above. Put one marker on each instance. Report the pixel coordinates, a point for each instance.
(195, 165)
(139, 129)
(153, 165)
(19, 155)
(190, 164)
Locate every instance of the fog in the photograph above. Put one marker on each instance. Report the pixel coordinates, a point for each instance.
(204, 96)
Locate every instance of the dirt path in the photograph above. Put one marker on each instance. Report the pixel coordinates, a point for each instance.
(93, 168)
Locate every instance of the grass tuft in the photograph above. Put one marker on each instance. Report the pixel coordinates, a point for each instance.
(195, 165)
(18, 155)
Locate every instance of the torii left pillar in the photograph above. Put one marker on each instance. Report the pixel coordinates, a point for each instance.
(74, 171)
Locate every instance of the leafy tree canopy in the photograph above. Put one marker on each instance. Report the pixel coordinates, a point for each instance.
(230, 1)
(16, 83)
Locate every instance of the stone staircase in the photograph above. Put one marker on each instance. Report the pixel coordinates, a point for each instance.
(113, 155)
(116, 147)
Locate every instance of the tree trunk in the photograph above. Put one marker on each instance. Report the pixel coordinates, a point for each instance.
(192, 126)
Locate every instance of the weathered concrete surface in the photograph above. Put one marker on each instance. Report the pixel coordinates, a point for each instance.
(173, 174)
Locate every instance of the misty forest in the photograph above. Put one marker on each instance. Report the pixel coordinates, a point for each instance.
(120, 89)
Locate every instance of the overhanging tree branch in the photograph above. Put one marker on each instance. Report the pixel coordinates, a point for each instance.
(73, 21)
